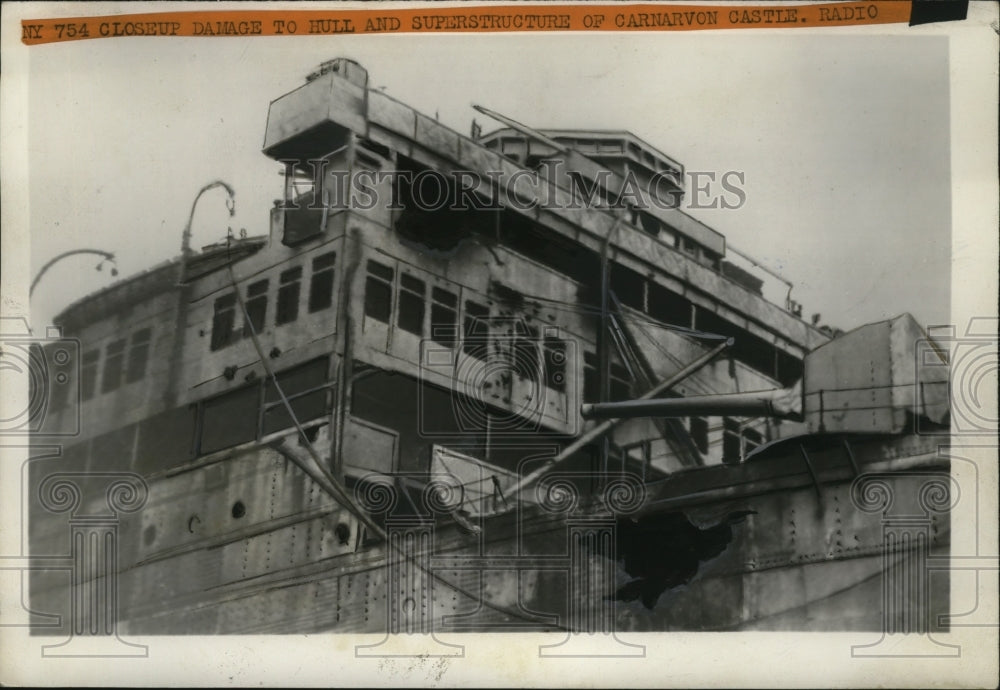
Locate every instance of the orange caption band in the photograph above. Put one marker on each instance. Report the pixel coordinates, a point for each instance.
(475, 19)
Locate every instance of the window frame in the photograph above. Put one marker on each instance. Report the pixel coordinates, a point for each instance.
(257, 297)
(322, 266)
(140, 344)
(224, 313)
(382, 277)
(289, 296)
(114, 365)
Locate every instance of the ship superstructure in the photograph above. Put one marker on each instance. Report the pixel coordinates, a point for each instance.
(432, 307)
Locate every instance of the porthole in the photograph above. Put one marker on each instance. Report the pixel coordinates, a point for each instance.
(343, 534)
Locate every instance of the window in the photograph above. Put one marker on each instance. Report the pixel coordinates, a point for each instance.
(113, 451)
(321, 283)
(555, 363)
(224, 321)
(114, 360)
(444, 317)
(256, 306)
(166, 439)
(138, 354)
(637, 457)
(305, 387)
(751, 439)
(88, 374)
(690, 247)
(668, 307)
(526, 360)
(753, 351)
(629, 286)
(378, 292)
(789, 368)
(411, 304)
(730, 441)
(621, 389)
(477, 330)
(699, 434)
(591, 382)
(230, 419)
(288, 296)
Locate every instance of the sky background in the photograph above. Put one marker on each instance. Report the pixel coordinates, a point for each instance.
(844, 142)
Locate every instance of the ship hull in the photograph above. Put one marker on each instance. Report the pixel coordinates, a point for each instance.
(813, 555)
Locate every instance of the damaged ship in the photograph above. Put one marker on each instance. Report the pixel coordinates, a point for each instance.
(435, 402)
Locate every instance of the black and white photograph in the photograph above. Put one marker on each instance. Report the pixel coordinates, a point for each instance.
(527, 357)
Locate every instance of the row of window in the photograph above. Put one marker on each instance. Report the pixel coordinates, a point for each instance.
(321, 282)
(636, 291)
(124, 362)
(539, 359)
(232, 418)
(570, 259)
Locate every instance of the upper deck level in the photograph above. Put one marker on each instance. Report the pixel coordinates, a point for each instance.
(365, 277)
(649, 234)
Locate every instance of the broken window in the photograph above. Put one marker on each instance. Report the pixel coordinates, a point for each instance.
(649, 223)
(730, 441)
(305, 388)
(699, 434)
(668, 307)
(751, 439)
(691, 247)
(256, 306)
(477, 330)
(301, 181)
(88, 374)
(637, 457)
(591, 381)
(230, 419)
(628, 286)
(751, 350)
(621, 388)
(526, 359)
(410, 316)
(138, 354)
(321, 283)
(560, 254)
(378, 291)
(114, 361)
(789, 368)
(555, 363)
(421, 414)
(288, 296)
(444, 317)
(434, 211)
